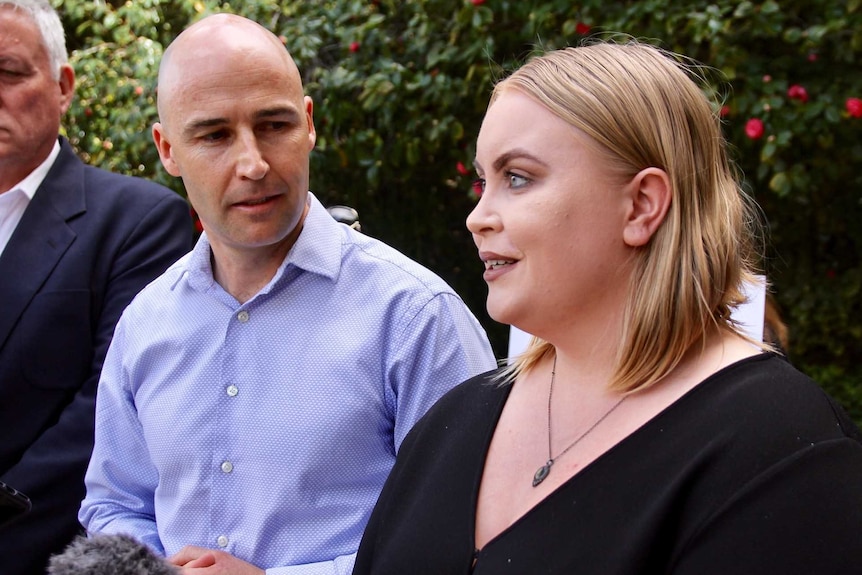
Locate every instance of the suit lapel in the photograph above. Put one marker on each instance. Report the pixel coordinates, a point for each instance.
(41, 238)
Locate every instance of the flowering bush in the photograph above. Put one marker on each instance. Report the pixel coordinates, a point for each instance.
(400, 89)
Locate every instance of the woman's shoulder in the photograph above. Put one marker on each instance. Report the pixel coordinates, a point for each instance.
(765, 393)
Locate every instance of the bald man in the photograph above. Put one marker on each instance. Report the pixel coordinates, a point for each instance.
(254, 396)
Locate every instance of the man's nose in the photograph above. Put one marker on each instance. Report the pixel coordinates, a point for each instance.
(250, 163)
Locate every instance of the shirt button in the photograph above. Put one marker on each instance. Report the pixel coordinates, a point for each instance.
(222, 541)
(232, 390)
(227, 466)
(242, 316)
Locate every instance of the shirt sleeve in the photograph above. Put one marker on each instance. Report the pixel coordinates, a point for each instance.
(801, 516)
(342, 565)
(120, 479)
(440, 346)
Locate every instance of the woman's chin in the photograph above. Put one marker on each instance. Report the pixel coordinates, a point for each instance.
(502, 311)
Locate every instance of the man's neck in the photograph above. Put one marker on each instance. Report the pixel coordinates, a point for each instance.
(244, 273)
(12, 175)
(13, 170)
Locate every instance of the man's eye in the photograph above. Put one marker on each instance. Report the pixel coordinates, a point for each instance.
(214, 136)
(478, 186)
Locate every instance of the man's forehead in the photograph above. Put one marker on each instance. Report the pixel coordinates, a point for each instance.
(11, 13)
(13, 44)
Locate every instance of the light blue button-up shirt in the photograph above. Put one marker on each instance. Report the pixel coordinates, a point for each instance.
(267, 429)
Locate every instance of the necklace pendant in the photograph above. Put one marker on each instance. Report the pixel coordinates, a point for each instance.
(542, 472)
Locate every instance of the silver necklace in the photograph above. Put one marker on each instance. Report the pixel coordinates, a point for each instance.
(545, 470)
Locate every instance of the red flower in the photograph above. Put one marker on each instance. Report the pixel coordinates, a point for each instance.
(354, 46)
(767, 79)
(812, 57)
(797, 92)
(477, 2)
(462, 169)
(139, 90)
(582, 29)
(477, 188)
(725, 111)
(754, 128)
(199, 226)
(854, 107)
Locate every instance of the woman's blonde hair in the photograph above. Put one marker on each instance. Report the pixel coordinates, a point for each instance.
(642, 108)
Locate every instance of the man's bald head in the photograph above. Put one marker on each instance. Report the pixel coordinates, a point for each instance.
(212, 41)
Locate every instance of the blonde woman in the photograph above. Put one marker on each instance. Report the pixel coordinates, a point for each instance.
(641, 432)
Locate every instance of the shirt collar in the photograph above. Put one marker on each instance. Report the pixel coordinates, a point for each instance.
(318, 247)
(34, 179)
(317, 250)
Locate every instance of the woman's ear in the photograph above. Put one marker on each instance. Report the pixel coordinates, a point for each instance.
(650, 195)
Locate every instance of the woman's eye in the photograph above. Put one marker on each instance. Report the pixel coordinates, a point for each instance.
(478, 186)
(517, 181)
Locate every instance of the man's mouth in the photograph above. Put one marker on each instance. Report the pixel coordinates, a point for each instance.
(256, 202)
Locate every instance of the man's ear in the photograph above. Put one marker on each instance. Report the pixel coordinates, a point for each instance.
(309, 118)
(66, 84)
(163, 145)
(650, 196)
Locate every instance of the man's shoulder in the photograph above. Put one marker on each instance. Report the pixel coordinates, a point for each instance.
(161, 291)
(366, 255)
(96, 180)
(88, 193)
(122, 187)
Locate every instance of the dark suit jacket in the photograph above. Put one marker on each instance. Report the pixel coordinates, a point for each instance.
(87, 243)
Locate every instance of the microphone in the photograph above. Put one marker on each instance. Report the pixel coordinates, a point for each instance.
(108, 555)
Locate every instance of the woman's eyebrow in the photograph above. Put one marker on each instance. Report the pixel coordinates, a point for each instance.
(507, 157)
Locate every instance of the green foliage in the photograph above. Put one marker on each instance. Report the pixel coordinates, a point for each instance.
(115, 51)
(400, 89)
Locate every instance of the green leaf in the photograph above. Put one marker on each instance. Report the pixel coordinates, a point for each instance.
(780, 184)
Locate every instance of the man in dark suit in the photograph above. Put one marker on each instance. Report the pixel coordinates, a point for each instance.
(76, 245)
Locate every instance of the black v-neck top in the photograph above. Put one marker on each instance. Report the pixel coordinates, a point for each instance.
(754, 471)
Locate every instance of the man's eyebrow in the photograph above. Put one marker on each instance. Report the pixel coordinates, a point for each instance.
(192, 127)
(507, 157)
(278, 111)
(288, 112)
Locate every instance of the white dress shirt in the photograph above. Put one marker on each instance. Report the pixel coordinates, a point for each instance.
(15, 201)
